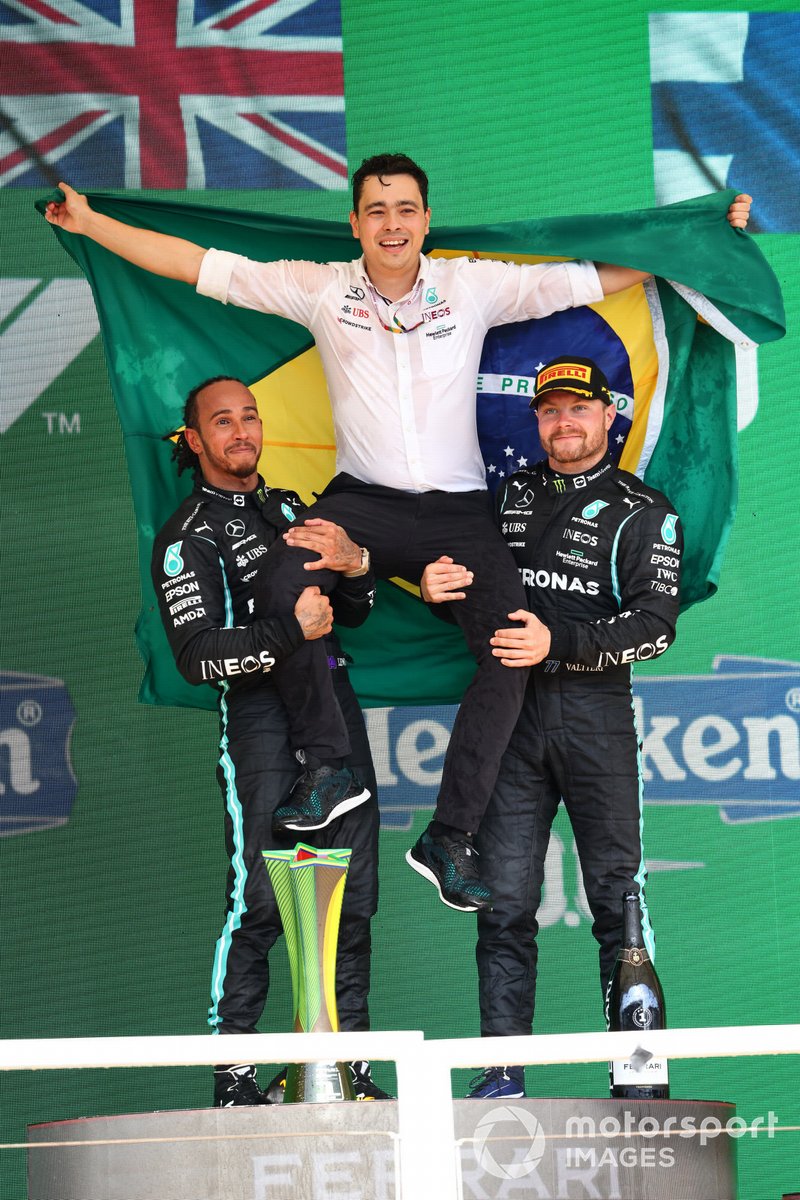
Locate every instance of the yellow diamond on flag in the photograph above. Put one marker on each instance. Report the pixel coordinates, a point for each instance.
(299, 444)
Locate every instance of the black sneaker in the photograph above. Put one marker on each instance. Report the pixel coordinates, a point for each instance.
(498, 1083)
(363, 1084)
(234, 1086)
(317, 798)
(451, 866)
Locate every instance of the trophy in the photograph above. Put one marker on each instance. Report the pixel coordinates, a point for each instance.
(309, 888)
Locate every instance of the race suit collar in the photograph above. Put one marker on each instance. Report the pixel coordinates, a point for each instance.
(558, 482)
(252, 499)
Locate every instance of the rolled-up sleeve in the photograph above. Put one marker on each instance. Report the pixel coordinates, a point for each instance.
(538, 289)
(584, 282)
(286, 288)
(215, 274)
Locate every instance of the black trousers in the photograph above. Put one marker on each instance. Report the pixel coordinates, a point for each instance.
(554, 754)
(256, 770)
(404, 531)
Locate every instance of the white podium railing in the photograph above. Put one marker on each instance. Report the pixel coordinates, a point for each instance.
(428, 1165)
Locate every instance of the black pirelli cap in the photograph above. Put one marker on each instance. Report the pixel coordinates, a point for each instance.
(579, 375)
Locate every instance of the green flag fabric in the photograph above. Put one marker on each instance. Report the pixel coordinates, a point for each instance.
(161, 339)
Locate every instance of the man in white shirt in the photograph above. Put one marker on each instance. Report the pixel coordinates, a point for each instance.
(400, 337)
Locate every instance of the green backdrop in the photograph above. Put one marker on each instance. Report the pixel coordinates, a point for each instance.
(108, 920)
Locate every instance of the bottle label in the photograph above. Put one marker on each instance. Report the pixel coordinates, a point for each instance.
(634, 955)
(654, 1071)
(642, 1016)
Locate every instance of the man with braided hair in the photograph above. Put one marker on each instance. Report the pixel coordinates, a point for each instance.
(206, 562)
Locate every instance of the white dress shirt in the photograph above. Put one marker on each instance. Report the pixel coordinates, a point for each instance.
(403, 403)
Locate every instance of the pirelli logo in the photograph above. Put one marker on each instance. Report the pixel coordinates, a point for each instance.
(564, 371)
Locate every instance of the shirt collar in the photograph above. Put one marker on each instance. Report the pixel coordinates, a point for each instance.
(416, 291)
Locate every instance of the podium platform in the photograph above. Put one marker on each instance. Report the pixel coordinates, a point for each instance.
(545, 1148)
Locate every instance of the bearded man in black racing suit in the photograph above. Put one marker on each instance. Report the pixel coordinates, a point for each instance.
(599, 556)
(206, 562)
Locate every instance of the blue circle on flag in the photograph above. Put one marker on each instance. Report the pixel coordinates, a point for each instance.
(512, 356)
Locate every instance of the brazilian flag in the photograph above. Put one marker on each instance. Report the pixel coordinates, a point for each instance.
(669, 348)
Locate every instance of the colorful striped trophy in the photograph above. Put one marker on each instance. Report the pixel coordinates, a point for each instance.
(309, 888)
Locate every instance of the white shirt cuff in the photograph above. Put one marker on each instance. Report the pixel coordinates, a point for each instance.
(584, 282)
(215, 274)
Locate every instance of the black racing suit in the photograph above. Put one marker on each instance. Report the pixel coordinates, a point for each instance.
(206, 561)
(599, 557)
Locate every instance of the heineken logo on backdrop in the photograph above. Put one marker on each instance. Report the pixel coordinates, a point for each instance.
(728, 740)
(37, 786)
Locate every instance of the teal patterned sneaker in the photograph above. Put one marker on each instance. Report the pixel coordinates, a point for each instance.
(450, 864)
(319, 797)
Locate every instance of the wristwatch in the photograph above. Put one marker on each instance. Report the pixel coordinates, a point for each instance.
(362, 570)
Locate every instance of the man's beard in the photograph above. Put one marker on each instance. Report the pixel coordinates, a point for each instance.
(587, 447)
(237, 465)
(243, 469)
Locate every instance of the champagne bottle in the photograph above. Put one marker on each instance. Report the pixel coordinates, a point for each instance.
(635, 1001)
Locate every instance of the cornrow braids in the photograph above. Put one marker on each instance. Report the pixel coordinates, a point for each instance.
(184, 455)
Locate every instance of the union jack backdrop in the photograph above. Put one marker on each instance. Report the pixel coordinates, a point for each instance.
(173, 93)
